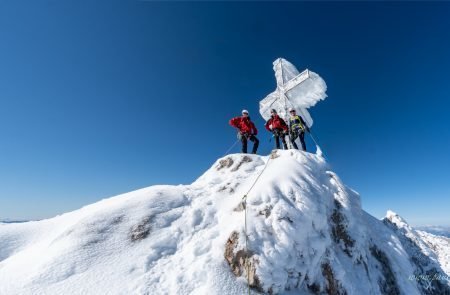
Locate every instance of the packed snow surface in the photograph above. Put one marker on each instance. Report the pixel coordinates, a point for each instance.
(306, 233)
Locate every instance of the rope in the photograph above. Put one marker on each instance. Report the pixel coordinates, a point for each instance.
(317, 144)
(244, 198)
(226, 153)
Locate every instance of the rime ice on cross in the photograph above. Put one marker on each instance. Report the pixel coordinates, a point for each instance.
(294, 90)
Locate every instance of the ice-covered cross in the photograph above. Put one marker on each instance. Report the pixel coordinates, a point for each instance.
(294, 90)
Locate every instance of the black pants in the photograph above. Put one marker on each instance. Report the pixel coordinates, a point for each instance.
(279, 134)
(294, 136)
(244, 143)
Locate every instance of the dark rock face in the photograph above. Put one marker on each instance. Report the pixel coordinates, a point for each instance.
(141, 230)
(314, 288)
(388, 284)
(333, 286)
(339, 229)
(266, 211)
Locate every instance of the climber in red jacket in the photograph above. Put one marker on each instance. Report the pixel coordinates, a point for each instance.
(247, 130)
(278, 127)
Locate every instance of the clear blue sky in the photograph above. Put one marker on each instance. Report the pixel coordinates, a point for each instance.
(102, 98)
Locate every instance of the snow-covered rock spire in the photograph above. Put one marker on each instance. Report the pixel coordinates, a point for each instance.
(307, 235)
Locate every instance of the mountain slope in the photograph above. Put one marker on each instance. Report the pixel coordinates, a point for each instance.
(440, 246)
(435, 230)
(306, 233)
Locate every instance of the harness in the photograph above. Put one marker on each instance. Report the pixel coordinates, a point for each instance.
(241, 135)
(296, 124)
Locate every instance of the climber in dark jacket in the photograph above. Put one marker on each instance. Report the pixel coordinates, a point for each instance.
(247, 130)
(278, 127)
(297, 128)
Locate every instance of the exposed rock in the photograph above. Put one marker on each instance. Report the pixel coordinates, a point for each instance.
(242, 262)
(388, 284)
(287, 218)
(225, 163)
(245, 159)
(266, 211)
(240, 207)
(141, 230)
(230, 246)
(222, 188)
(228, 187)
(314, 288)
(333, 287)
(339, 229)
(273, 154)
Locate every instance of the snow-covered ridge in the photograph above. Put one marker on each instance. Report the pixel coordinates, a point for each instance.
(435, 230)
(307, 234)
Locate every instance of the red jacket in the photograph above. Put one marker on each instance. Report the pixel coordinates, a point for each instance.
(277, 123)
(245, 125)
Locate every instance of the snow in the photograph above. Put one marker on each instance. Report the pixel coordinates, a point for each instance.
(172, 239)
(440, 246)
(437, 230)
(429, 254)
(297, 90)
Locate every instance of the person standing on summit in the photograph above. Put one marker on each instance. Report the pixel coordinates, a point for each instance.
(247, 130)
(297, 128)
(278, 127)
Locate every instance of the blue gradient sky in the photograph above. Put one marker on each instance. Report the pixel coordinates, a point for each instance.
(102, 98)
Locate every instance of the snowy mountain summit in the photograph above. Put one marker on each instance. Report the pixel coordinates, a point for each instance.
(306, 234)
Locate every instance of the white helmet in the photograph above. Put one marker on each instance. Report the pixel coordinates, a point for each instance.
(244, 112)
(291, 110)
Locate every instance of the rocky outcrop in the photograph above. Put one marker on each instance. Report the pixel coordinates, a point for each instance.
(141, 230)
(339, 229)
(242, 262)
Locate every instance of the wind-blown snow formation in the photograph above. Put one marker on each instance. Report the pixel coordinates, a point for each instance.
(307, 235)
